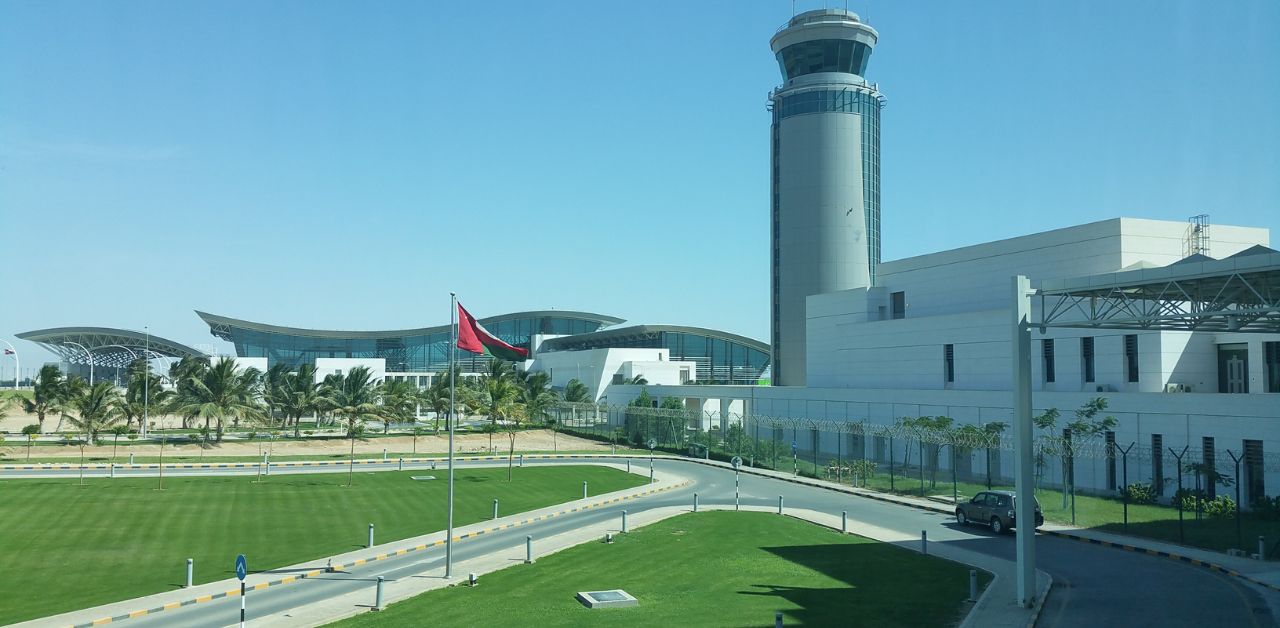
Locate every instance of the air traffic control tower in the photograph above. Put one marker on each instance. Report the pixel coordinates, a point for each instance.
(826, 173)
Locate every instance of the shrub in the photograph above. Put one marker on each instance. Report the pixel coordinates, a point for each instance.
(1220, 507)
(1140, 493)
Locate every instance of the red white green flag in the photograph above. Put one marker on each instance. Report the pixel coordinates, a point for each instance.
(473, 337)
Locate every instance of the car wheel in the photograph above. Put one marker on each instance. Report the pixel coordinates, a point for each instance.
(961, 518)
(997, 526)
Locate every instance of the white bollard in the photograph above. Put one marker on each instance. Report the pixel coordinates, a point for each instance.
(973, 585)
(191, 571)
(924, 542)
(131, 460)
(472, 580)
(584, 490)
(370, 535)
(521, 460)
(624, 522)
(695, 502)
(628, 466)
(779, 504)
(401, 465)
(377, 598)
(528, 549)
(844, 521)
(608, 537)
(113, 470)
(384, 454)
(268, 467)
(495, 508)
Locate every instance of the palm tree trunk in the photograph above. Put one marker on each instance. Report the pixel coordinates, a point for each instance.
(511, 453)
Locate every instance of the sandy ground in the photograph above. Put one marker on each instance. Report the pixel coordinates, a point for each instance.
(533, 440)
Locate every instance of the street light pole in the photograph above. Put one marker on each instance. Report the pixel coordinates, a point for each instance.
(87, 354)
(146, 383)
(17, 367)
(1020, 351)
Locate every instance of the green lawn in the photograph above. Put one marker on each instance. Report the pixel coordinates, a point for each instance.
(185, 455)
(708, 569)
(69, 547)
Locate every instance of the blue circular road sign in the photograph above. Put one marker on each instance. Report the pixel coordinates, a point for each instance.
(242, 567)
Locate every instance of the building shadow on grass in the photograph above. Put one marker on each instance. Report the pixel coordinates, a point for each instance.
(875, 584)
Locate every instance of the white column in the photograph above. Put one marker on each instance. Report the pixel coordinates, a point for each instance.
(1020, 351)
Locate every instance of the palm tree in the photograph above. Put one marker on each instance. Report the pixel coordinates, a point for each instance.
(96, 410)
(182, 374)
(143, 390)
(400, 400)
(47, 397)
(220, 393)
(498, 394)
(355, 398)
(274, 390)
(577, 392)
(436, 399)
(537, 397)
(72, 388)
(117, 431)
(299, 395)
(638, 380)
(30, 432)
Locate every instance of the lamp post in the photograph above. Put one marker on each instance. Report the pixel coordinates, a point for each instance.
(87, 354)
(17, 368)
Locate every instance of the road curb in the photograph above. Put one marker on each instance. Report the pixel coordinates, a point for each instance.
(382, 556)
(49, 466)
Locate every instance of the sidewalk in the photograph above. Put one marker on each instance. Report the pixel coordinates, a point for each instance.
(161, 602)
(1262, 573)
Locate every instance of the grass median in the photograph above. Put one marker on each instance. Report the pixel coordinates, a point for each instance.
(70, 546)
(709, 569)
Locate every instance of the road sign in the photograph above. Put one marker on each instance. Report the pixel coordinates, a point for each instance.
(242, 567)
(736, 462)
(652, 443)
(793, 447)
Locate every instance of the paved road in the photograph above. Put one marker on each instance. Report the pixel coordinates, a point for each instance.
(1094, 586)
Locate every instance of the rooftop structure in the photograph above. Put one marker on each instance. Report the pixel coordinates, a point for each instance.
(424, 349)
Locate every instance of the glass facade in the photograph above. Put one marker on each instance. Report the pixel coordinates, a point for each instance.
(718, 360)
(866, 104)
(824, 55)
(427, 351)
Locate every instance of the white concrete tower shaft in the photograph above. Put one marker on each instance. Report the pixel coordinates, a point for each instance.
(825, 173)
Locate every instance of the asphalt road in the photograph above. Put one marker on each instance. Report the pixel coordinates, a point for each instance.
(1093, 586)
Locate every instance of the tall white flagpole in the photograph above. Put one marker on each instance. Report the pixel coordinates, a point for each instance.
(453, 350)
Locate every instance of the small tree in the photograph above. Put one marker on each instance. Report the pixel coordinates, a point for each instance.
(30, 432)
(117, 431)
(355, 430)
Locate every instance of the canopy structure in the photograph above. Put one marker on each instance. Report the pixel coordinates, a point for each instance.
(106, 346)
(1240, 293)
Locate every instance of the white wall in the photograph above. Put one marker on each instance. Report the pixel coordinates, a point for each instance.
(596, 367)
(329, 366)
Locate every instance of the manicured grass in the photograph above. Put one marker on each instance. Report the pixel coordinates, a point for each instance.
(19, 457)
(69, 546)
(708, 569)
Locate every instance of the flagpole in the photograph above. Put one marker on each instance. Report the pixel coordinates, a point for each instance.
(453, 350)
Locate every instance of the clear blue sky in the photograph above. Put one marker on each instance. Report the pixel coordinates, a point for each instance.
(347, 164)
